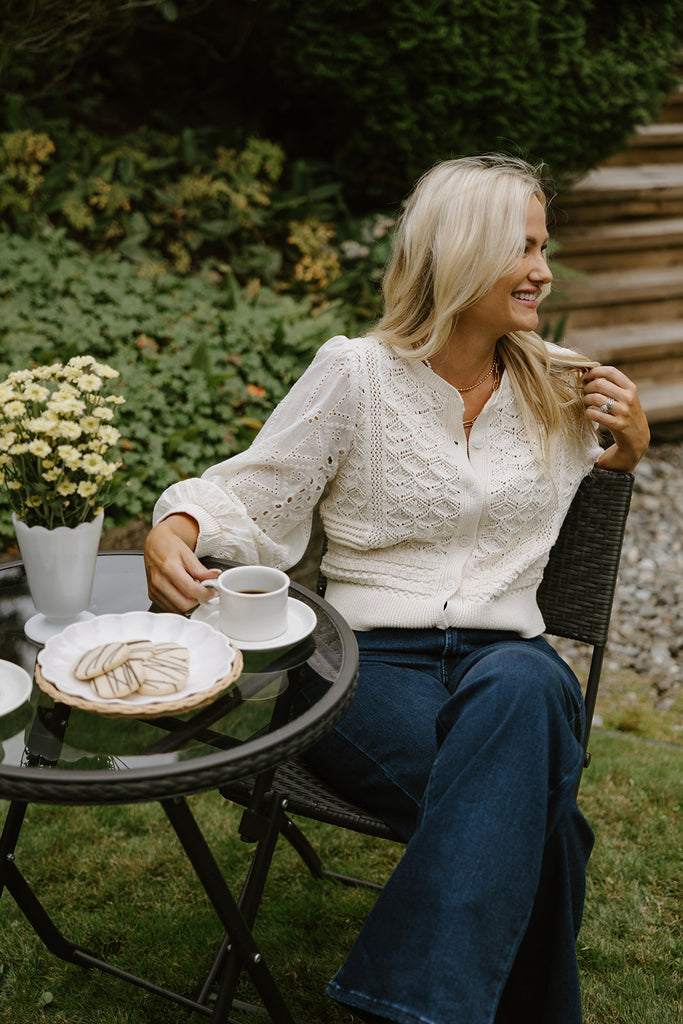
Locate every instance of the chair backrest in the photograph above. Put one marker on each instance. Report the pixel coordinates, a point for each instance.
(577, 591)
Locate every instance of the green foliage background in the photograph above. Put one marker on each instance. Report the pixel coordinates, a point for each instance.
(388, 89)
(202, 360)
(200, 192)
(376, 89)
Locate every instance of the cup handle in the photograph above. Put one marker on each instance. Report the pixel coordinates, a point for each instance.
(211, 585)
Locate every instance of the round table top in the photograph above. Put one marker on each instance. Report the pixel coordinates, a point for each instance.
(51, 752)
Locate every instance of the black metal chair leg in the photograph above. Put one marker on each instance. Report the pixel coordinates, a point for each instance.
(243, 944)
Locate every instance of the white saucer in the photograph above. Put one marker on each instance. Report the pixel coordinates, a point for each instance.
(301, 621)
(15, 687)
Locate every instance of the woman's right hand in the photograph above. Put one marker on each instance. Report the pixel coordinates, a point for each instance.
(173, 570)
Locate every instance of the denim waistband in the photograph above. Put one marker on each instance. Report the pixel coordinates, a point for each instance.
(438, 642)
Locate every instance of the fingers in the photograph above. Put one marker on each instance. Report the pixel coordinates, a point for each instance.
(609, 396)
(174, 571)
(611, 400)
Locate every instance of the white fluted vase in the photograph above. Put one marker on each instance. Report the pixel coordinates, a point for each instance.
(60, 569)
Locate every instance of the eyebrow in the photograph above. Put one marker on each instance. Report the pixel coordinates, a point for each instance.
(534, 241)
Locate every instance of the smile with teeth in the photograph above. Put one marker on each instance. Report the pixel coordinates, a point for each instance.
(526, 297)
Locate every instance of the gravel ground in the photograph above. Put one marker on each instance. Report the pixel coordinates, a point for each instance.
(644, 654)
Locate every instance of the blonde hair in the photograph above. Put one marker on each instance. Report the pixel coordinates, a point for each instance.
(461, 229)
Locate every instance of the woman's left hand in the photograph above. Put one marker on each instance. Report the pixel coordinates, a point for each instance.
(611, 400)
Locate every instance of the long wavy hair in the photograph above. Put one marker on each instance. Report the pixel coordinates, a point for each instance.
(460, 230)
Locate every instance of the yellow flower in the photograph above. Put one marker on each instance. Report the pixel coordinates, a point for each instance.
(41, 424)
(80, 362)
(14, 410)
(66, 405)
(93, 464)
(39, 448)
(68, 429)
(43, 373)
(35, 393)
(50, 475)
(19, 377)
(86, 489)
(109, 435)
(115, 399)
(103, 412)
(105, 371)
(66, 487)
(90, 382)
(90, 424)
(108, 472)
(69, 455)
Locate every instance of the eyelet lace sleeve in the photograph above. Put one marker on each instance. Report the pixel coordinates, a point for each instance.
(258, 505)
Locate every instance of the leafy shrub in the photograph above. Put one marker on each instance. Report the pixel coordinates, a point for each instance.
(165, 201)
(202, 360)
(377, 90)
(154, 196)
(385, 90)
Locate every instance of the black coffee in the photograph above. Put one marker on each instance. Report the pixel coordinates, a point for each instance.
(253, 591)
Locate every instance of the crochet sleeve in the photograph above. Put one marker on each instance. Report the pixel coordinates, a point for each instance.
(258, 506)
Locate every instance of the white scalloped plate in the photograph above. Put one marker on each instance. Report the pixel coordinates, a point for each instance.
(211, 654)
(15, 687)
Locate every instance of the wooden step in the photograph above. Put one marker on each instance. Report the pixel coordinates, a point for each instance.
(597, 247)
(671, 109)
(617, 297)
(618, 290)
(629, 343)
(662, 402)
(649, 353)
(622, 193)
(653, 143)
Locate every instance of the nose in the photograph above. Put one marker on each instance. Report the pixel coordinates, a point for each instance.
(540, 271)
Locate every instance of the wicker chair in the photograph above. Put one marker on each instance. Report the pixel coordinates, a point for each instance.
(575, 597)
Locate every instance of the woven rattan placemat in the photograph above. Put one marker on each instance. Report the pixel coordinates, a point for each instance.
(153, 709)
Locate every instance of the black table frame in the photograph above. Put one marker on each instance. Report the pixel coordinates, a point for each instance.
(261, 822)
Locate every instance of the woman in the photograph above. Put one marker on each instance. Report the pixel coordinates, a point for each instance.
(443, 451)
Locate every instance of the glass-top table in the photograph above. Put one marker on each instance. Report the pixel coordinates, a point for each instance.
(54, 753)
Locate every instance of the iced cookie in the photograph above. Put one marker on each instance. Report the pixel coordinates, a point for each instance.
(121, 681)
(166, 671)
(140, 650)
(100, 660)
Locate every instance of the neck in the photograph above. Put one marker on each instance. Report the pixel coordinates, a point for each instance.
(464, 368)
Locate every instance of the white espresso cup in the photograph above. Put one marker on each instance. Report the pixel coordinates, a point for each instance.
(252, 602)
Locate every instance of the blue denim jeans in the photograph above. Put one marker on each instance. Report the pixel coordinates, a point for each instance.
(468, 742)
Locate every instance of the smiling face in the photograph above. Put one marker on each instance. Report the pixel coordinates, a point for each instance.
(512, 303)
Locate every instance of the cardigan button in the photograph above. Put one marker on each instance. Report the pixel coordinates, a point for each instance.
(450, 584)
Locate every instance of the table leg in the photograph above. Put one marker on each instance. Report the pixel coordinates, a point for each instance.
(237, 926)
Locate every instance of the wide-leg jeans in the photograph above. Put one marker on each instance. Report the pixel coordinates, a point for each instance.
(467, 742)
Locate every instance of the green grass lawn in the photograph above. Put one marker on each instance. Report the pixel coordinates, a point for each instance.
(116, 882)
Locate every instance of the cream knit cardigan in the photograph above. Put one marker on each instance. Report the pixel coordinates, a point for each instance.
(423, 529)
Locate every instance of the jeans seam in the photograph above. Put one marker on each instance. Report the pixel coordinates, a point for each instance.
(380, 768)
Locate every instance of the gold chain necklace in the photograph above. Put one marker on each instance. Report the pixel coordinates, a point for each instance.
(496, 385)
(471, 387)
